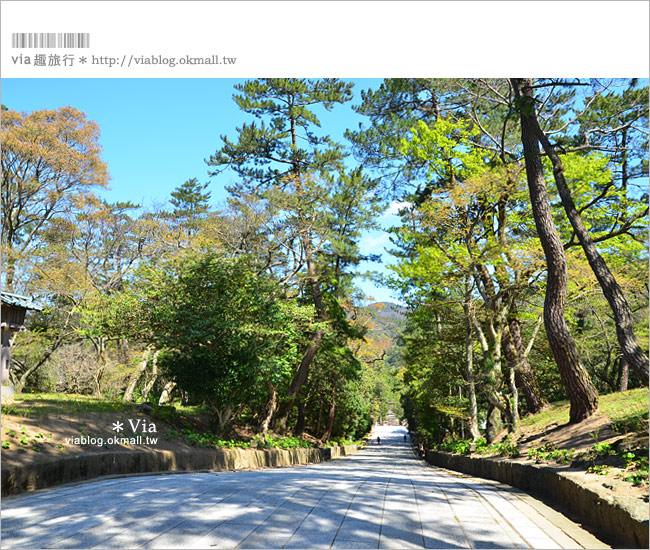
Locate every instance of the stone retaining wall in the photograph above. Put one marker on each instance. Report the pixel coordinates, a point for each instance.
(625, 526)
(80, 467)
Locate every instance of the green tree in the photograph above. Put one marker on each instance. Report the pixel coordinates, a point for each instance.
(51, 162)
(630, 347)
(190, 202)
(469, 223)
(289, 144)
(583, 396)
(225, 330)
(393, 110)
(286, 161)
(50, 159)
(580, 118)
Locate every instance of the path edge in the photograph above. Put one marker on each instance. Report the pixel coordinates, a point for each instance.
(603, 513)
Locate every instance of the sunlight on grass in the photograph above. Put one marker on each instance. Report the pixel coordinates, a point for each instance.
(556, 412)
(628, 411)
(41, 404)
(59, 403)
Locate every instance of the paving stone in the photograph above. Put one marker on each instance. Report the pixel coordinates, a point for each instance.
(407, 536)
(343, 544)
(382, 497)
(443, 544)
(265, 537)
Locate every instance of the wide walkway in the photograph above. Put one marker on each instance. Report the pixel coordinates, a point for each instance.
(382, 497)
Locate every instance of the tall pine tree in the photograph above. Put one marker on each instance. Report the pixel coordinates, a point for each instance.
(287, 160)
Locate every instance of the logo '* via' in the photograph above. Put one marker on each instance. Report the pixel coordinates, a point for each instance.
(118, 426)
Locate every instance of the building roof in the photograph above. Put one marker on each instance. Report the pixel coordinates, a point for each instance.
(19, 301)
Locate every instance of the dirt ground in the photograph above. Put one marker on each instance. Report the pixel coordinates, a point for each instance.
(567, 436)
(43, 438)
(581, 438)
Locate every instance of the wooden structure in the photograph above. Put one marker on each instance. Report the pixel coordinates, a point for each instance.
(12, 312)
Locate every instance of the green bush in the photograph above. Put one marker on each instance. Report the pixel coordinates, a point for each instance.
(599, 469)
(481, 445)
(233, 443)
(602, 449)
(459, 446)
(345, 440)
(165, 413)
(506, 448)
(286, 442)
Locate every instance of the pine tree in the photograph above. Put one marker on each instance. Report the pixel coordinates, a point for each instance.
(286, 160)
(583, 395)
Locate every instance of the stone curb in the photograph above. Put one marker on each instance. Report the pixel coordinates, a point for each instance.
(601, 512)
(30, 477)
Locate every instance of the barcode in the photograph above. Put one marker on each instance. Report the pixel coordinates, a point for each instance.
(50, 40)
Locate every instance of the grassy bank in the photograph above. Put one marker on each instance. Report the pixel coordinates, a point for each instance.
(42, 421)
(628, 412)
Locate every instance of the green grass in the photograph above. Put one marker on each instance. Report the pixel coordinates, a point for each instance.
(43, 404)
(627, 410)
(557, 412)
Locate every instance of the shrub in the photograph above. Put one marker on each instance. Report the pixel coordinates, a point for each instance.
(459, 446)
(506, 448)
(481, 445)
(602, 449)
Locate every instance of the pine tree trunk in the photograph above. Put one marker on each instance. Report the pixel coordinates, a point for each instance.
(583, 396)
(302, 373)
(494, 423)
(320, 417)
(513, 349)
(133, 381)
(300, 423)
(514, 402)
(611, 289)
(269, 409)
(223, 418)
(330, 419)
(98, 375)
(122, 351)
(469, 368)
(166, 393)
(152, 379)
(492, 365)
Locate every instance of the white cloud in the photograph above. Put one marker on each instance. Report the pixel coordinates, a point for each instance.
(394, 208)
(374, 243)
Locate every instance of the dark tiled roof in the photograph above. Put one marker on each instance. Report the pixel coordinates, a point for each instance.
(19, 301)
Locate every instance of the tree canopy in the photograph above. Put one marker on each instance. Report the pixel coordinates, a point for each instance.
(520, 258)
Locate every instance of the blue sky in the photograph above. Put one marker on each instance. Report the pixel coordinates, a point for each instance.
(157, 133)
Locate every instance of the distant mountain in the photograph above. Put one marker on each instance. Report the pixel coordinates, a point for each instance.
(388, 319)
(389, 309)
(385, 323)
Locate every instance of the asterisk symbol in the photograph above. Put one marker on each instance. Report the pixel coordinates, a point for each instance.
(118, 426)
(83, 59)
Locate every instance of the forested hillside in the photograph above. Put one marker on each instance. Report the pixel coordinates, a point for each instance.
(381, 352)
(520, 255)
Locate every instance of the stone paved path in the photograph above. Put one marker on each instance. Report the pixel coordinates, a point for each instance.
(382, 497)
